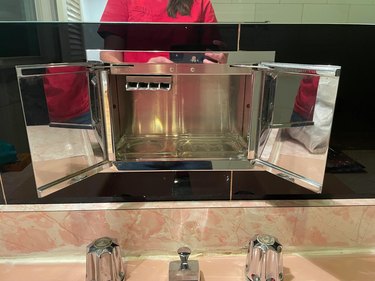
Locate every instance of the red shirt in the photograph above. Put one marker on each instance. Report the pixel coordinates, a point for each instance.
(155, 11)
(306, 97)
(139, 37)
(66, 94)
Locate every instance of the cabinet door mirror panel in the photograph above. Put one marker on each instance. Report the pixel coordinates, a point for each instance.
(64, 124)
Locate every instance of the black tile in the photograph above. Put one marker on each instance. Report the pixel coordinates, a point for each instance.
(132, 187)
(262, 185)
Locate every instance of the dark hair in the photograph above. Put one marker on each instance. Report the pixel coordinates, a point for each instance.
(182, 7)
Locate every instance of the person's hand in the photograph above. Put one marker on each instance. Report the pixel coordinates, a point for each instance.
(159, 60)
(215, 58)
(111, 57)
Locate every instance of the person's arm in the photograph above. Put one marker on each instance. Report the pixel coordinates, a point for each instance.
(115, 11)
(210, 17)
(208, 12)
(216, 57)
(111, 57)
(111, 43)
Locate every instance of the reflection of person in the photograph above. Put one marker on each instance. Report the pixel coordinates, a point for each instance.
(59, 96)
(157, 11)
(67, 95)
(138, 38)
(305, 100)
(314, 102)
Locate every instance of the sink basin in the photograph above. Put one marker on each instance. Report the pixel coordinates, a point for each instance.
(308, 267)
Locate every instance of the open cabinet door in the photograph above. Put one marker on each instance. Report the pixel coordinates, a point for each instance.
(297, 105)
(64, 115)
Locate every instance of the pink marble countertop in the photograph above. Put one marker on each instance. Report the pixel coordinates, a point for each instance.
(338, 267)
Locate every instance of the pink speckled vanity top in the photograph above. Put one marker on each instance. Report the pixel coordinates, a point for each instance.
(348, 267)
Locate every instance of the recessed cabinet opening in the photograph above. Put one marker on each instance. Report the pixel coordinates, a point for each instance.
(200, 116)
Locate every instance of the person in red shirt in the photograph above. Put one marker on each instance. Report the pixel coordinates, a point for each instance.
(138, 37)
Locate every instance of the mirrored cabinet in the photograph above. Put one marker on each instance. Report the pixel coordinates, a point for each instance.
(85, 118)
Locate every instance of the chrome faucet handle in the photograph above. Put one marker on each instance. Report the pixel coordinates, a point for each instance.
(184, 253)
(184, 269)
(264, 259)
(103, 261)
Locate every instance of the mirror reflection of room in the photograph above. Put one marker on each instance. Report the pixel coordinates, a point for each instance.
(359, 159)
(167, 37)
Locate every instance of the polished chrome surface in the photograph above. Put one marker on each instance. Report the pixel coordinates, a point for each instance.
(104, 261)
(105, 112)
(184, 253)
(238, 117)
(264, 259)
(184, 269)
(229, 112)
(291, 144)
(65, 151)
(199, 114)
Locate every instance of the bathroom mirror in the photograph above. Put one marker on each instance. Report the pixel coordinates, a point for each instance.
(223, 183)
